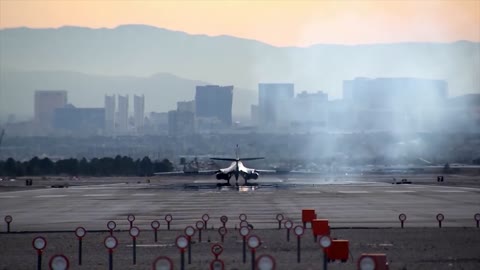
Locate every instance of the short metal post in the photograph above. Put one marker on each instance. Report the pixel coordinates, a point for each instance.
(182, 260)
(134, 250)
(325, 261)
(80, 251)
(244, 250)
(253, 259)
(189, 250)
(288, 235)
(110, 259)
(39, 260)
(298, 249)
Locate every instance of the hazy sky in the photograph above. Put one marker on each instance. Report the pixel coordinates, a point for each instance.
(277, 22)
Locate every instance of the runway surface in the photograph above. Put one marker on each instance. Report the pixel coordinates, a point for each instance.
(345, 204)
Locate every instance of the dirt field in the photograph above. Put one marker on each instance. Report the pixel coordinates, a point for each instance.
(409, 248)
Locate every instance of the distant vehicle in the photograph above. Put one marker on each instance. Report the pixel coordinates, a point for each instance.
(236, 169)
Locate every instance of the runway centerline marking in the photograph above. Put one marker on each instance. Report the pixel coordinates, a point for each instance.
(353, 191)
(143, 194)
(8, 197)
(51, 196)
(400, 191)
(448, 191)
(97, 195)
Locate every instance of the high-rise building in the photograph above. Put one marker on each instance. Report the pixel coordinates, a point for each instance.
(186, 106)
(110, 114)
(139, 111)
(181, 123)
(122, 114)
(213, 101)
(79, 121)
(46, 101)
(271, 98)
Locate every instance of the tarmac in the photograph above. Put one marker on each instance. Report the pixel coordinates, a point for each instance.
(363, 209)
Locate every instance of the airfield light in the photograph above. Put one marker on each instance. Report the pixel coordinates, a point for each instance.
(279, 218)
(243, 223)
(440, 218)
(217, 250)
(168, 219)
(205, 219)
(199, 224)
(111, 225)
(8, 220)
(131, 219)
(244, 231)
(162, 263)
(242, 217)
(155, 226)
(224, 220)
(288, 225)
(134, 233)
(266, 262)
(367, 263)
(217, 264)
(110, 243)
(189, 232)
(59, 262)
(325, 242)
(222, 231)
(298, 230)
(402, 217)
(80, 232)
(39, 243)
(253, 243)
(182, 243)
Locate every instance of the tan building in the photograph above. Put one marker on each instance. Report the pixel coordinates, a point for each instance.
(46, 101)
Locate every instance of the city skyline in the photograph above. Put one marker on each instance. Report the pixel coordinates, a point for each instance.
(307, 23)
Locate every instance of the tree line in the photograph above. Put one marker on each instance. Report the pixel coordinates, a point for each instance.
(106, 166)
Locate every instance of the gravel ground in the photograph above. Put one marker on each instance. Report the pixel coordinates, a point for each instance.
(409, 248)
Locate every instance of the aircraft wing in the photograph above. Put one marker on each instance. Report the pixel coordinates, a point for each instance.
(180, 173)
(266, 171)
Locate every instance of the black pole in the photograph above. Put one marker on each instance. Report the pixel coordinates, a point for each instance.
(189, 250)
(156, 238)
(288, 235)
(325, 262)
(244, 250)
(205, 224)
(111, 232)
(199, 236)
(402, 224)
(314, 238)
(168, 225)
(279, 224)
(39, 261)
(134, 250)
(253, 259)
(110, 259)
(80, 251)
(478, 223)
(131, 224)
(8, 227)
(298, 249)
(440, 224)
(222, 238)
(182, 260)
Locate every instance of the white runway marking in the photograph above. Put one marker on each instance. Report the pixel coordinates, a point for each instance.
(143, 194)
(448, 191)
(308, 192)
(353, 191)
(50, 196)
(400, 191)
(8, 197)
(97, 195)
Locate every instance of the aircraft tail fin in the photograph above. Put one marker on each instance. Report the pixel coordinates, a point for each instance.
(225, 159)
(252, 158)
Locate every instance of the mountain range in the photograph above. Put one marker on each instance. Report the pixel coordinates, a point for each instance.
(166, 65)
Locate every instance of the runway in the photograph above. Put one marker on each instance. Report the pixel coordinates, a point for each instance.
(345, 204)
